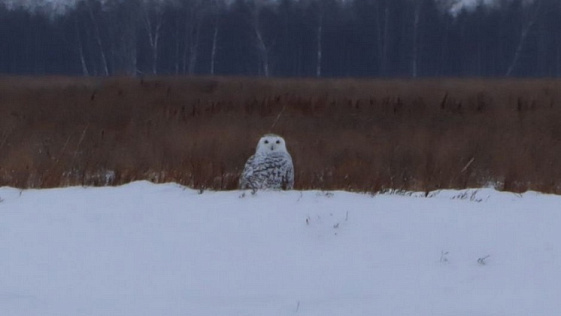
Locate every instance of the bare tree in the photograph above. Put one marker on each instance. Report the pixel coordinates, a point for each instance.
(383, 28)
(124, 21)
(97, 36)
(152, 17)
(214, 44)
(85, 71)
(531, 15)
(319, 44)
(214, 11)
(415, 53)
(262, 49)
(193, 30)
(189, 20)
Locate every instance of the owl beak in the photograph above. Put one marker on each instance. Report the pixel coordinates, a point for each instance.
(272, 147)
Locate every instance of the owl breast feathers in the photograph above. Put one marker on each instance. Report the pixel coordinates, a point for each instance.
(270, 167)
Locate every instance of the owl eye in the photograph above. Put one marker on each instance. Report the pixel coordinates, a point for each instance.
(278, 141)
(266, 142)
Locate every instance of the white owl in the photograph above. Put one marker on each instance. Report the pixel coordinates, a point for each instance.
(270, 167)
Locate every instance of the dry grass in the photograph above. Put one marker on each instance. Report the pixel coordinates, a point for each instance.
(364, 135)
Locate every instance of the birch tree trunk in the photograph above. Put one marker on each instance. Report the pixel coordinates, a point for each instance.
(97, 35)
(213, 49)
(522, 39)
(125, 37)
(262, 50)
(194, 49)
(383, 23)
(263, 53)
(85, 71)
(153, 24)
(415, 54)
(319, 48)
(192, 33)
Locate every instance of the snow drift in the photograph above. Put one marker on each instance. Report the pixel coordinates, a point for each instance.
(147, 249)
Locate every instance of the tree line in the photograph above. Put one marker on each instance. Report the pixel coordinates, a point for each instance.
(284, 38)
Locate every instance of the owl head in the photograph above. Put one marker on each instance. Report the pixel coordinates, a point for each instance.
(270, 143)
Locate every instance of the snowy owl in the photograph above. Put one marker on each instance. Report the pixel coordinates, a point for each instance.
(270, 167)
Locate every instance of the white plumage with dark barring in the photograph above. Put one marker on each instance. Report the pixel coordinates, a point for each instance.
(270, 168)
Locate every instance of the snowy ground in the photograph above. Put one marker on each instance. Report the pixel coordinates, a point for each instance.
(146, 249)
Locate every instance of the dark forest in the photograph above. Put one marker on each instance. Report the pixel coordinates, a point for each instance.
(284, 38)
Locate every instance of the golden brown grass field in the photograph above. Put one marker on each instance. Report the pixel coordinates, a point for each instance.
(361, 135)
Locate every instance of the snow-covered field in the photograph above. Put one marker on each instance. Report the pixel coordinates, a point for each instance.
(146, 249)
